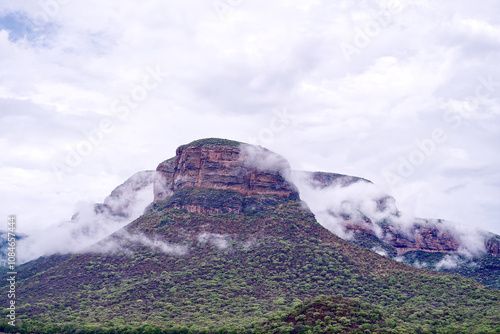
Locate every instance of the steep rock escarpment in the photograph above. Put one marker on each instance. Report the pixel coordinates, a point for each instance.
(223, 165)
(493, 245)
(419, 237)
(221, 176)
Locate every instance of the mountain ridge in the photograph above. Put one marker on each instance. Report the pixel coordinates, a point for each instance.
(236, 257)
(377, 229)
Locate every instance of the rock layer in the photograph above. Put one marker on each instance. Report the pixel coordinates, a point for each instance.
(421, 238)
(418, 238)
(493, 245)
(246, 169)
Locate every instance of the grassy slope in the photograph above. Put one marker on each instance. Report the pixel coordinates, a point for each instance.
(277, 255)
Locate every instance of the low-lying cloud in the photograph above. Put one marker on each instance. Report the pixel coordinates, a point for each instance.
(379, 250)
(218, 240)
(121, 241)
(448, 262)
(334, 203)
(92, 222)
(263, 159)
(341, 200)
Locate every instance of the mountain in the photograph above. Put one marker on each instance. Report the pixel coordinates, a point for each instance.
(229, 245)
(362, 214)
(348, 206)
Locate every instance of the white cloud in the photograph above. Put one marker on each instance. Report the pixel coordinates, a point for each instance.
(342, 202)
(448, 262)
(225, 77)
(218, 240)
(419, 264)
(121, 241)
(92, 223)
(380, 251)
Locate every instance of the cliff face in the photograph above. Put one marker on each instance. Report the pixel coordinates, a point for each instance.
(421, 238)
(428, 239)
(248, 170)
(245, 169)
(493, 245)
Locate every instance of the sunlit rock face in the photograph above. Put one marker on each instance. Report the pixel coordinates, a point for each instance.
(224, 165)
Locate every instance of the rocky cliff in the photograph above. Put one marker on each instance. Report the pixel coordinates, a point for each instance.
(493, 245)
(254, 175)
(248, 170)
(224, 165)
(419, 237)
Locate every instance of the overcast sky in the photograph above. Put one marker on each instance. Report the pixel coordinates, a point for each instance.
(404, 93)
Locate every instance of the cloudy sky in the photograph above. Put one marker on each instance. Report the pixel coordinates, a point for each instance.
(404, 93)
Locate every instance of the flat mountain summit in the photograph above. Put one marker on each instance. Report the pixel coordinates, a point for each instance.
(230, 244)
(225, 165)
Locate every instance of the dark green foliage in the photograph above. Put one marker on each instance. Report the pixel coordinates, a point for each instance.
(372, 242)
(205, 198)
(220, 201)
(212, 142)
(330, 314)
(483, 268)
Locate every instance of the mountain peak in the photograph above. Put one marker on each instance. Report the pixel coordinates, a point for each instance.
(223, 164)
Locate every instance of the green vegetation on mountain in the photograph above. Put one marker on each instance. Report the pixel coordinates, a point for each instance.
(330, 314)
(255, 272)
(374, 243)
(484, 268)
(213, 142)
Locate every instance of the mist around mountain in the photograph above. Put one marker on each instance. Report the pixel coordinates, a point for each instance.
(92, 221)
(230, 244)
(4, 246)
(358, 211)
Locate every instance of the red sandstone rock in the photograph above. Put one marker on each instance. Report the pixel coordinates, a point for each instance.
(418, 238)
(493, 246)
(246, 169)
